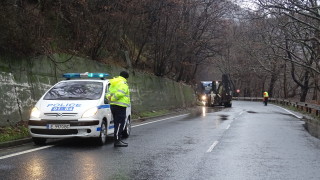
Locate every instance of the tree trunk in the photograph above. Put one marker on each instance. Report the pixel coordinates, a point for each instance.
(305, 87)
(285, 86)
(273, 80)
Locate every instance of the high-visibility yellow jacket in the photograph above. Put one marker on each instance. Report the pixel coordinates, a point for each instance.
(119, 92)
(265, 94)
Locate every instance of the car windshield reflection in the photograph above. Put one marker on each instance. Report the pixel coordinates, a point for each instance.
(75, 90)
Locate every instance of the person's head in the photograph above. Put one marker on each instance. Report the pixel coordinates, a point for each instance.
(124, 74)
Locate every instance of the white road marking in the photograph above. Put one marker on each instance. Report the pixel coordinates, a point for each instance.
(228, 126)
(241, 113)
(45, 147)
(159, 120)
(299, 117)
(212, 146)
(24, 152)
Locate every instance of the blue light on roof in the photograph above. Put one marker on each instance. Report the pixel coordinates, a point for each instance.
(97, 75)
(85, 75)
(71, 75)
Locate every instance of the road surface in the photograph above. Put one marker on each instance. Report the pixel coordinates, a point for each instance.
(247, 141)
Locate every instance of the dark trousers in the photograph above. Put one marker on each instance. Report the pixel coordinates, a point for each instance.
(119, 118)
(265, 100)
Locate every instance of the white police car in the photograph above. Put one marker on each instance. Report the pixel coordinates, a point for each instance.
(75, 107)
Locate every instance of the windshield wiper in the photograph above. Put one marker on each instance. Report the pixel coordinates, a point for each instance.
(87, 98)
(77, 98)
(67, 98)
(71, 97)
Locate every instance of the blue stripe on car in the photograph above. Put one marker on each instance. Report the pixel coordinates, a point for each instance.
(104, 106)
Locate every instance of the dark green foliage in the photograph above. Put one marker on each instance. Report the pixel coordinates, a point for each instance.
(168, 37)
(18, 131)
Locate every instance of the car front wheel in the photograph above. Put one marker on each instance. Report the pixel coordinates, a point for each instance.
(101, 140)
(127, 130)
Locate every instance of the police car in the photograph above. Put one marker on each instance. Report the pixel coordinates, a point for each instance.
(75, 107)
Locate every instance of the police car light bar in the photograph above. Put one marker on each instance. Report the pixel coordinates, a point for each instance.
(71, 75)
(98, 75)
(85, 75)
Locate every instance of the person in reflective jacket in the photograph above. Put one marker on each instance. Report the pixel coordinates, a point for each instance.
(265, 98)
(119, 99)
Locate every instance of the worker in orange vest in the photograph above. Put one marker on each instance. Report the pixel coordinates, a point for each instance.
(265, 97)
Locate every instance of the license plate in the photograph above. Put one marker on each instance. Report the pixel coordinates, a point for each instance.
(58, 126)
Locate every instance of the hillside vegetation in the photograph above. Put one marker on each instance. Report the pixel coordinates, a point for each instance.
(165, 37)
(274, 47)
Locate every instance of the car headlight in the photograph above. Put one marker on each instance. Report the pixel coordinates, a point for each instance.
(91, 112)
(203, 97)
(35, 112)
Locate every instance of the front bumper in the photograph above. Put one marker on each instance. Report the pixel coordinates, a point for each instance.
(76, 129)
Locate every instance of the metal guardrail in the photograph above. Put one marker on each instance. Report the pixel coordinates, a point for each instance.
(303, 106)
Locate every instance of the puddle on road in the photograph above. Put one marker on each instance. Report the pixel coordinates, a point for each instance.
(204, 112)
(223, 117)
(189, 140)
(201, 112)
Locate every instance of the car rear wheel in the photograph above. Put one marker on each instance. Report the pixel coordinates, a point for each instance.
(101, 140)
(39, 141)
(127, 130)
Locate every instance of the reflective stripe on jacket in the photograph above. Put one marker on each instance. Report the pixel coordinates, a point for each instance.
(119, 92)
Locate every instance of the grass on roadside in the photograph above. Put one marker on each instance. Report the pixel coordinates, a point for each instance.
(147, 114)
(18, 131)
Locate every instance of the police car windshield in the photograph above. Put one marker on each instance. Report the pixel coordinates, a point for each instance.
(75, 90)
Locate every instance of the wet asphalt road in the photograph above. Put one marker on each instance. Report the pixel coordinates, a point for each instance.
(247, 141)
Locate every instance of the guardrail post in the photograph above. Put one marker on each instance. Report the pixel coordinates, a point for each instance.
(306, 107)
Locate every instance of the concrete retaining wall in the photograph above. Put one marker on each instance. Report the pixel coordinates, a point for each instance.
(23, 82)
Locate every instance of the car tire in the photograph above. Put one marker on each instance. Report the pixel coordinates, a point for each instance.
(127, 130)
(101, 140)
(227, 104)
(39, 141)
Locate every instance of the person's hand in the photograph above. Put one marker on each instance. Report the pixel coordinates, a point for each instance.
(109, 98)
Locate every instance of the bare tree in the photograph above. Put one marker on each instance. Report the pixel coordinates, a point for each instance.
(299, 22)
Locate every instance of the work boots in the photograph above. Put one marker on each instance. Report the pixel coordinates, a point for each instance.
(119, 143)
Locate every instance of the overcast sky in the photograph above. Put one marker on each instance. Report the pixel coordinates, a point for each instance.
(247, 4)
